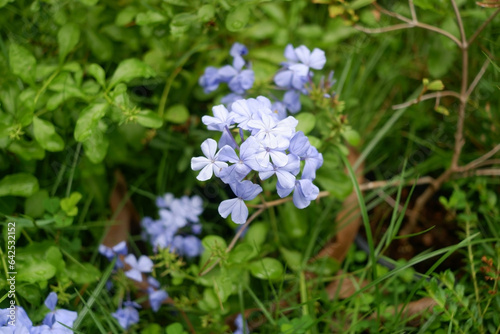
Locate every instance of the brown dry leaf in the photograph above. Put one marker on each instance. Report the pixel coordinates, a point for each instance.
(125, 215)
(489, 4)
(347, 223)
(344, 286)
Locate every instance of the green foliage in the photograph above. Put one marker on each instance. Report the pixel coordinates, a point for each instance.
(89, 87)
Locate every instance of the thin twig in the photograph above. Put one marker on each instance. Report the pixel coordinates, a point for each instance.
(478, 161)
(439, 31)
(412, 10)
(426, 97)
(419, 24)
(384, 29)
(487, 172)
(477, 78)
(460, 24)
(392, 14)
(243, 228)
(481, 28)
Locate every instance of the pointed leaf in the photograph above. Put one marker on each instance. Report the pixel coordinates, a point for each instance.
(67, 38)
(46, 136)
(20, 184)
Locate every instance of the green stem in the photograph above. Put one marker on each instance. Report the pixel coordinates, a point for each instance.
(303, 296)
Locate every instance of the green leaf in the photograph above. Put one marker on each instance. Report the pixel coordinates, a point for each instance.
(257, 234)
(356, 4)
(267, 269)
(206, 13)
(34, 271)
(223, 287)
(46, 136)
(98, 73)
(67, 38)
(435, 85)
(307, 121)
(88, 121)
(20, 184)
(96, 146)
(149, 119)
(126, 16)
(33, 206)
(51, 204)
(68, 204)
(83, 273)
(149, 18)
(54, 257)
(442, 110)
(100, 45)
(175, 328)
(62, 220)
(352, 137)
(27, 150)
(178, 114)
(292, 258)
(338, 184)
(4, 3)
(242, 253)
(238, 18)
(152, 329)
(130, 69)
(214, 242)
(30, 292)
(22, 63)
(324, 266)
(181, 22)
(89, 2)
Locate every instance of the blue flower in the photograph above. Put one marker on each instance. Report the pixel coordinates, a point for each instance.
(291, 99)
(137, 267)
(210, 80)
(17, 329)
(211, 163)
(110, 253)
(285, 174)
(19, 314)
(240, 326)
(315, 59)
(313, 160)
(243, 164)
(274, 149)
(238, 80)
(299, 144)
(128, 315)
(56, 318)
(244, 191)
(156, 298)
(303, 193)
(220, 120)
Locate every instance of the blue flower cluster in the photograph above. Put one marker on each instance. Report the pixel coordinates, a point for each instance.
(238, 76)
(175, 214)
(293, 77)
(296, 73)
(53, 323)
(134, 269)
(272, 147)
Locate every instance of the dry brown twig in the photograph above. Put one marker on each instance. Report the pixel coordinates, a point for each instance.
(463, 96)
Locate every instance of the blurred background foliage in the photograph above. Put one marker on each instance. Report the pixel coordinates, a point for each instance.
(88, 87)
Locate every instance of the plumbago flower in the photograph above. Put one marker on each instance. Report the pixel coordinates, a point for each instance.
(238, 78)
(296, 73)
(128, 314)
(55, 322)
(179, 216)
(269, 146)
